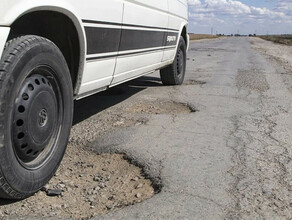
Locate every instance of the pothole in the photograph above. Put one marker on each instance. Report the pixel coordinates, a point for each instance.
(163, 107)
(156, 181)
(89, 184)
(194, 82)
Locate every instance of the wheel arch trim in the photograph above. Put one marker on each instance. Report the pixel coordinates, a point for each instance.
(67, 10)
(4, 33)
(183, 26)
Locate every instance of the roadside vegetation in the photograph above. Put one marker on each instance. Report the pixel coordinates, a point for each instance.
(202, 36)
(280, 39)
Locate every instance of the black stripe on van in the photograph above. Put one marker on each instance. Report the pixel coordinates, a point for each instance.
(102, 40)
(105, 40)
(129, 54)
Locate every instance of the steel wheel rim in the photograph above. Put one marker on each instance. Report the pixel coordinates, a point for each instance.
(37, 118)
(180, 62)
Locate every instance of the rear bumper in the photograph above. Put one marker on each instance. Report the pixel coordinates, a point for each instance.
(4, 32)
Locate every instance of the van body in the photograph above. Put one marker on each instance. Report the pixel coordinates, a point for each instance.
(55, 51)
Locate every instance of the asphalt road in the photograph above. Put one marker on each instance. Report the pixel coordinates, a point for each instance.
(232, 157)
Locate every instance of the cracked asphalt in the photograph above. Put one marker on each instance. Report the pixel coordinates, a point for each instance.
(229, 159)
(217, 147)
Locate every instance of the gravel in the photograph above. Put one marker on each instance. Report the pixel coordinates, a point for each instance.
(87, 184)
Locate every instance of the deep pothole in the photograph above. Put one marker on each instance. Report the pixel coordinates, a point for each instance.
(162, 107)
(89, 185)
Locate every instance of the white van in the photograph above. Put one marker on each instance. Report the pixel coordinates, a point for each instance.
(55, 51)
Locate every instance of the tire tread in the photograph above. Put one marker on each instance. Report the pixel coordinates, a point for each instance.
(168, 74)
(12, 49)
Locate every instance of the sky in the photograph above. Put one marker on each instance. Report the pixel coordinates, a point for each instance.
(240, 16)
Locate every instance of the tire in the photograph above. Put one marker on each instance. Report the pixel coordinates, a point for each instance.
(175, 73)
(36, 109)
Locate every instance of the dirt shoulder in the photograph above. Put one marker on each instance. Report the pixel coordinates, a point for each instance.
(279, 39)
(281, 53)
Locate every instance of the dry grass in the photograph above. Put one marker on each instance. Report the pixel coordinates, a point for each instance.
(202, 36)
(280, 39)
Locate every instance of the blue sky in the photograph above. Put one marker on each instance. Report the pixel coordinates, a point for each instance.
(240, 16)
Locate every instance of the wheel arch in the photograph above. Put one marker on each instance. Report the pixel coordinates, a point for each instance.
(79, 45)
(184, 34)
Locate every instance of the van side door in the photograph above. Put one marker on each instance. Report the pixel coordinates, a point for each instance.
(142, 39)
(102, 21)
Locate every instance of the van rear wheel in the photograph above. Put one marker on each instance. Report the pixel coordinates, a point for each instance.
(175, 73)
(36, 104)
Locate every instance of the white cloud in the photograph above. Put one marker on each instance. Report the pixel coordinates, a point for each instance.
(285, 6)
(235, 13)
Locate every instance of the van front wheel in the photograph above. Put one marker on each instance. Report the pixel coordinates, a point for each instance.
(36, 104)
(175, 73)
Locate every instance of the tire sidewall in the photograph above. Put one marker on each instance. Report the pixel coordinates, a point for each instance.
(180, 78)
(19, 178)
